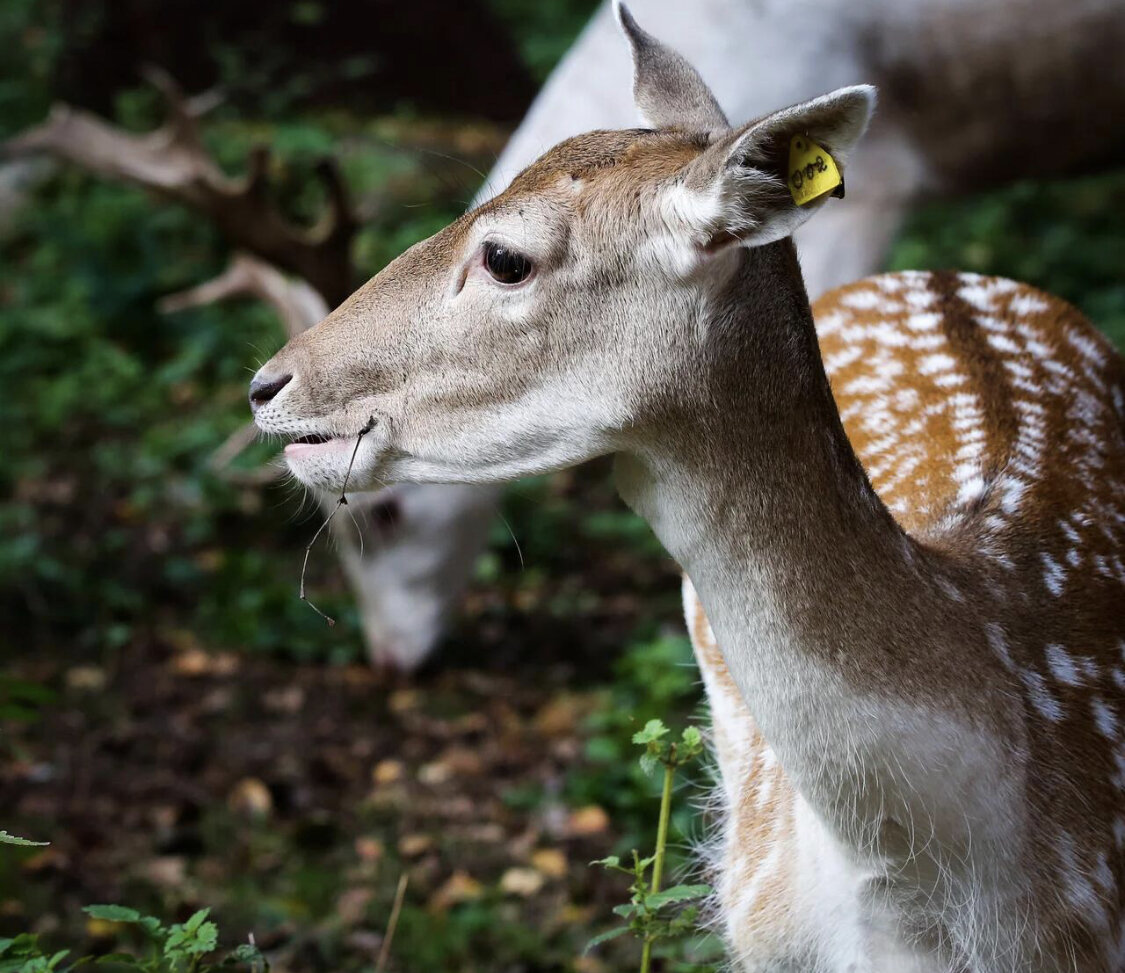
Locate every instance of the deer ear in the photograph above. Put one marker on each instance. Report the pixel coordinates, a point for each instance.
(761, 182)
(668, 91)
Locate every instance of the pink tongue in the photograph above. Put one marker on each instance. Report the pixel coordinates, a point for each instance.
(331, 444)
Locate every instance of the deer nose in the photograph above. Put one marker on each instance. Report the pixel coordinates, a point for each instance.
(265, 387)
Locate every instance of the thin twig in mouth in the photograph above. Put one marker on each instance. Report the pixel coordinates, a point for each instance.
(341, 501)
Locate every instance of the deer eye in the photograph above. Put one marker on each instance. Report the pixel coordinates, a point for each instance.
(506, 265)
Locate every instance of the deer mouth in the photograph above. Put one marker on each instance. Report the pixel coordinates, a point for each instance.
(311, 441)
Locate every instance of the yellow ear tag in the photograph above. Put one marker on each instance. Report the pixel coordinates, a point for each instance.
(812, 171)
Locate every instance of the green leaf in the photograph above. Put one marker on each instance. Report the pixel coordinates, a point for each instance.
(626, 911)
(193, 938)
(196, 920)
(650, 763)
(113, 913)
(605, 937)
(11, 839)
(246, 953)
(652, 732)
(613, 863)
(123, 959)
(152, 926)
(678, 893)
(692, 738)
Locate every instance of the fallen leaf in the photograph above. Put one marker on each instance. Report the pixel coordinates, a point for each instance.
(588, 820)
(463, 761)
(414, 845)
(388, 772)
(550, 861)
(168, 871)
(434, 773)
(524, 882)
(402, 700)
(574, 915)
(86, 679)
(351, 906)
(459, 887)
(559, 717)
(364, 941)
(487, 832)
(289, 700)
(250, 797)
(194, 662)
(470, 723)
(369, 849)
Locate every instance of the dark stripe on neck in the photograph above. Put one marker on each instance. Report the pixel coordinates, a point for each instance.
(987, 375)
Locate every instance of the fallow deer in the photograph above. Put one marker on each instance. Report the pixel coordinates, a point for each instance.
(906, 520)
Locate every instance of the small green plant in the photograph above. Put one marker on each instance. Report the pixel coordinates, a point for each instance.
(184, 947)
(654, 914)
(11, 839)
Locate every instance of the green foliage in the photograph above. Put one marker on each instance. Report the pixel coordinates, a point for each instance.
(31, 35)
(656, 675)
(1064, 237)
(187, 947)
(660, 751)
(111, 412)
(22, 699)
(543, 31)
(11, 839)
(651, 914)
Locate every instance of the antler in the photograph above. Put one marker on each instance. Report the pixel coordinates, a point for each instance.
(173, 162)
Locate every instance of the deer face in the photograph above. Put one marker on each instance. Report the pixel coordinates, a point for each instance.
(557, 320)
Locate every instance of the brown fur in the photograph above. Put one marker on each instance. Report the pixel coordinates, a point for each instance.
(1076, 787)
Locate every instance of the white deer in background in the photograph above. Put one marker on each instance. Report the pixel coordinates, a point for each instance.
(906, 521)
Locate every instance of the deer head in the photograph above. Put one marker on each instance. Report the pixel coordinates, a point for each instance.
(566, 316)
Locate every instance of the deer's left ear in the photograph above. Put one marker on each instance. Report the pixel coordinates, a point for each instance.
(760, 182)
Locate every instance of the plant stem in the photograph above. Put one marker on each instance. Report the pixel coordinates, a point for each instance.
(392, 924)
(661, 842)
(662, 829)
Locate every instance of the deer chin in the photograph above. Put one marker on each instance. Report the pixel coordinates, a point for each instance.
(333, 462)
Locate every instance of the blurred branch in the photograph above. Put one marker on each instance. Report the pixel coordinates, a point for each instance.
(298, 305)
(173, 162)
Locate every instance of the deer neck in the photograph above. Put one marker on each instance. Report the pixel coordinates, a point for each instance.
(755, 489)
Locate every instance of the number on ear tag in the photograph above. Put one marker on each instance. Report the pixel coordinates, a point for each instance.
(812, 171)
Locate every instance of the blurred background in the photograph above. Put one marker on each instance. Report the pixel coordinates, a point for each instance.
(182, 729)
